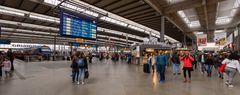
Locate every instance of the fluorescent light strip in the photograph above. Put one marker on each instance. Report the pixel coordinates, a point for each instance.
(10, 11)
(119, 33)
(27, 31)
(108, 19)
(44, 18)
(136, 28)
(116, 38)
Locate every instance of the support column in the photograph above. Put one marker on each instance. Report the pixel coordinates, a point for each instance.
(54, 48)
(184, 41)
(126, 40)
(210, 36)
(238, 37)
(150, 36)
(162, 29)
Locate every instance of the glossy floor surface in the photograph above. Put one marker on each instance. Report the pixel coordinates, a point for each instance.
(107, 78)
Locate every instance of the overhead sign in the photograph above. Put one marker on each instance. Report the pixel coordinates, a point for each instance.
(5, 41)
(77, 26)
(202, 39)
(220, 38)
(79, 40)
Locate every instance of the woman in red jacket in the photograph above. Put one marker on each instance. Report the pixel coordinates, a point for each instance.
(187, 66)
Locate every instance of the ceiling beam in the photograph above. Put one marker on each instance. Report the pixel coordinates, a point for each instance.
(172, 17)
(143, 16)
(124, 5)
(114, 2)
(2, 2)
(147, 18)
(129, 9)
(187, 4)
(139, 13)
(98, 1)
(20, 4)
(201, 16)
(212, 14)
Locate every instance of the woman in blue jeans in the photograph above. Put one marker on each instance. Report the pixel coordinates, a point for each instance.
(161, 62)
(209, 64)
(83, 67)
(176, 63)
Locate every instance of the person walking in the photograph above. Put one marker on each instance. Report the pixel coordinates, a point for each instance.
(161, 62)
(201, 60)
(231, 68)
(6, 67)
(10, 56)
(176, 63)
(209, 65)
(187, 66)
(217, 65)
(75, 68)
(1, 65)
(149, 61)
(83, 67)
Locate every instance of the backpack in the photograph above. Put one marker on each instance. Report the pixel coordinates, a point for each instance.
(74, 65)
(81, 62)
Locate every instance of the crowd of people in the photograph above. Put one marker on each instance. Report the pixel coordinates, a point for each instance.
(188, 61)
(6, 63)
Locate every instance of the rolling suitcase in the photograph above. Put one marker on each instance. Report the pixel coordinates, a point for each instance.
(146, 68)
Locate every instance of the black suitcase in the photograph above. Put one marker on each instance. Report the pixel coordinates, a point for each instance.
(146, 68)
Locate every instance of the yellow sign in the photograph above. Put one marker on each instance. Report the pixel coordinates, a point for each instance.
(79, 40)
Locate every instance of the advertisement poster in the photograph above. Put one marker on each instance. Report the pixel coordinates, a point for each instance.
(220, 38)
(202, 39)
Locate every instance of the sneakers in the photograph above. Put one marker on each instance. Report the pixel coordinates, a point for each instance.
(230, 85)
(189, 81)
(82, 83)
(227, 83)
(185, 80)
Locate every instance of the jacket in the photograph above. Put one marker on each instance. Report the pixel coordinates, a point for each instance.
(6, 65)
(74, 65)
(161, 60)
(175, 59)
(85, 65)
(209, 62)
(187, 61)
(234, 64)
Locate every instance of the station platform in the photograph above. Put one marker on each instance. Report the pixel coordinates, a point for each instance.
(107, 78)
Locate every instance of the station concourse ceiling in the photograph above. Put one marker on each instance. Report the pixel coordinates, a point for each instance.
(145, 12)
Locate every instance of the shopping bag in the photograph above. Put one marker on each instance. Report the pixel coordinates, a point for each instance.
(222, 67)
(86, 74)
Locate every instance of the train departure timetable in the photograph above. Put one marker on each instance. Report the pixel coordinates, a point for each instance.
(77, 26)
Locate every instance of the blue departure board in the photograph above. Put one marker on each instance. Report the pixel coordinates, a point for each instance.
(5, 41)
(77, 26)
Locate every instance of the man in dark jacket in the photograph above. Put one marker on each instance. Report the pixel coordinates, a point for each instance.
(176, 64)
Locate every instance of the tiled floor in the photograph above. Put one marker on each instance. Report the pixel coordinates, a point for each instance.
(107, 78)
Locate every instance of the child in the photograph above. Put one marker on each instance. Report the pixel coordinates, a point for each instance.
(6, 67)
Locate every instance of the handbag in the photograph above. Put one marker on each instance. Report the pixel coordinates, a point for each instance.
(222, 67)
(86, 74)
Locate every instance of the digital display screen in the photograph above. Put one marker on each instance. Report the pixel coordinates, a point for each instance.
(77, 26)
(4, 41)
